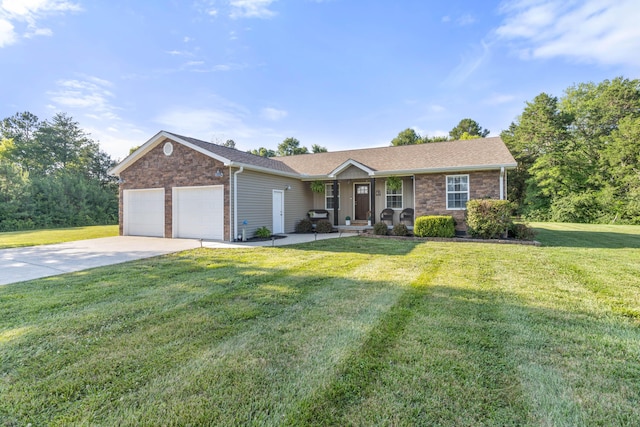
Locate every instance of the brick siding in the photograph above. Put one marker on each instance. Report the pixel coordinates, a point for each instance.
(183, 168)
(431, 193)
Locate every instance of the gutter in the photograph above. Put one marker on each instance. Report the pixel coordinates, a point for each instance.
(235, 202)
(502, 183)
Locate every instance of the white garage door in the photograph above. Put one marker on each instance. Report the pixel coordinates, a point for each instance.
(144, 212)
(198, 212)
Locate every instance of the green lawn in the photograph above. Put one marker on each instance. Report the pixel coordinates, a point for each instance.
(17, 239)
(352, 331)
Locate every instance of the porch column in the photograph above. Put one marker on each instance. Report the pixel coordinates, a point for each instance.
(336, 200)
(372, 195)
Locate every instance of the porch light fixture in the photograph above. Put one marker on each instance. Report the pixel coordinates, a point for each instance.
(287, 187)
(219, 173)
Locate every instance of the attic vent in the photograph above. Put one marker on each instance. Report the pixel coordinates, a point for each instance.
(167, 149)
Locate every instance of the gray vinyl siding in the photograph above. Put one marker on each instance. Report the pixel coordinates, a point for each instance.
(255, 199)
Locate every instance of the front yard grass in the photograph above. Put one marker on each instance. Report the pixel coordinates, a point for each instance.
(350, 331)
(16, 239)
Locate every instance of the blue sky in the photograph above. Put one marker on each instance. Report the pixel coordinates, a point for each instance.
(338, 73)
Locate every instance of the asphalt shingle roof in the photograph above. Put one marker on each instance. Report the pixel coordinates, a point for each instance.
(475, 153)
(455, 155)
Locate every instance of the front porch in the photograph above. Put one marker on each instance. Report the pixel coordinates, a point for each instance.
(357, 203)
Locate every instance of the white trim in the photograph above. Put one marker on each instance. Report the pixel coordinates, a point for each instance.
(386, 206)
(446, 192)
(126, 194)
(174, 205)
(349, 163)
(355, 195)
(282, 215)
(502, 183)
(325, 196)
(152, 143)
(235, 202)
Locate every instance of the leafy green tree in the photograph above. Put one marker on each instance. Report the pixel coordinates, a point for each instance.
(567, 152)
(291, 146)
(471, 127)
(229, 143)
(264, 152)
(315, 148)
(21, 128)
(407, 137)
(622, 159)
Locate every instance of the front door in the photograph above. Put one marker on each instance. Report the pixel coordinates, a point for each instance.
(362, 202)
(278, 212)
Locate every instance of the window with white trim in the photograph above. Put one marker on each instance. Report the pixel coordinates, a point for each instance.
(328, 196)
(457, 191)
(393, 198)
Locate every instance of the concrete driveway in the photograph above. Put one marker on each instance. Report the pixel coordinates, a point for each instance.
(33, 262)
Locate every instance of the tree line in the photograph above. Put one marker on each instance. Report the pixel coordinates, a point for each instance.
(53, 175)
(579, 155)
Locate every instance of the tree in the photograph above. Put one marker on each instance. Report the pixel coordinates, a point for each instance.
(407, 137)
(471, 127)
(264, 152)
(21, 128)
(315, 148)
(52, 174)
(574, 154)
(291, 146)
(229, 143)
(541, 130)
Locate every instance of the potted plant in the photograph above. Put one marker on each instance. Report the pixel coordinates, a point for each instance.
(347, 220)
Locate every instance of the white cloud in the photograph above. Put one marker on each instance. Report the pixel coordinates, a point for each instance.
(204, 122)
(7, 34)
(90, 94)
(598, 31)
(446, 18)
(469, 63)
(29, 13)
(465, 20)
(251, 9)
(273, 114)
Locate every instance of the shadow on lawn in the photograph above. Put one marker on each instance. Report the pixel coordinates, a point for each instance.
(587, 239)
(361, 245)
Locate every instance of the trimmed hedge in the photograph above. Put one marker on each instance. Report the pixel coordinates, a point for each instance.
(434, 226)
(488, 218)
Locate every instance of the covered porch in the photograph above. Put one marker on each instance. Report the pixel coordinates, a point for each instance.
(356, 199)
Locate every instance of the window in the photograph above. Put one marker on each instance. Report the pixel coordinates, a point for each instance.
(394, 197)
(328, 196)
(457, 191)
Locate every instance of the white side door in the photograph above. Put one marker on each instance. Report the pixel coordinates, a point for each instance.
(278, 212)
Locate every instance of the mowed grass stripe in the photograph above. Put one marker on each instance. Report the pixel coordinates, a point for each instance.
(361, 370)
(430, 334)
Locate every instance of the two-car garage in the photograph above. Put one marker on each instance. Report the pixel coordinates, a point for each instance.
(196, 212)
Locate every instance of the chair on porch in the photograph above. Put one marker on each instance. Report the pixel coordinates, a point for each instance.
(387, 215)
(407, 215)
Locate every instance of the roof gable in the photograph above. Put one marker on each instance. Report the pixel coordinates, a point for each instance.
(447, 156)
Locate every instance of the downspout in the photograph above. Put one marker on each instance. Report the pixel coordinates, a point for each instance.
(235, 202)
(502, 183)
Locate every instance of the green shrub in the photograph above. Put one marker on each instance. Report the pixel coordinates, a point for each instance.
(521, 232)
(488, 218)
(304, 226)
(324, 226)
(263, 232)
(380, 229)
(434, 226)
(400, 230)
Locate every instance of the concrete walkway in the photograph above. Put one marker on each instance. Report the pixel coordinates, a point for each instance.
(34, 262)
